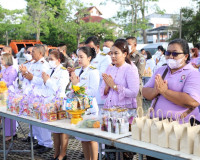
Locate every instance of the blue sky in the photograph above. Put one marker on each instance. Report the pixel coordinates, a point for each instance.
(171, 6)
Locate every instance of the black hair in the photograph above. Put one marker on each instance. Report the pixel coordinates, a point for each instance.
(142, 49)
(162, 49)
(149, 56)
(132, 38)
(58, 55)
(184, 46)
(90, 52)
(93, 39)
(197, 46)
(109, 40)
(122, 44)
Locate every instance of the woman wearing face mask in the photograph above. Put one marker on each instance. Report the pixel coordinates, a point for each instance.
(160, 60)
(8, 75)
(56, 80)
(179, 92)
(149, 67)
(87, 76)
(194, 57)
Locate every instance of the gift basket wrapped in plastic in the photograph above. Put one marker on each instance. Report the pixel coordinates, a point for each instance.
(115, 120)
(77, 103)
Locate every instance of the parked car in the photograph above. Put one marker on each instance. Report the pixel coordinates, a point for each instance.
(140, 46)
(153, 47)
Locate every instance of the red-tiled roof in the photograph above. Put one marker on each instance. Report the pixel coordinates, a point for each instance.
(92, 19)
(88, 9)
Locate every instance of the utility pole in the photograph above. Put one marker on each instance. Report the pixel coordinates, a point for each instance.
(180, 24)
(7, 38)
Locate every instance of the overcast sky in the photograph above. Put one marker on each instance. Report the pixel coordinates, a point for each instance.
(171, 6)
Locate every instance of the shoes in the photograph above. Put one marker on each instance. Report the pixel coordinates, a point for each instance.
(44, 150)
(37, 146)
(64, 158)
(54, 158)
(8, 138)
(28, 139)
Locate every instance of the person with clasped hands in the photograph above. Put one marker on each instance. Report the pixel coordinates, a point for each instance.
(121, 80)
(87, 76)
(8, 75)
(179, 92)
(55, 81)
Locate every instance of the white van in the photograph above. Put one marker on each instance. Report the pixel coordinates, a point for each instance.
(153, 47)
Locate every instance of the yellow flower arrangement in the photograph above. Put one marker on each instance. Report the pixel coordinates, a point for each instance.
(78, 90)
(3, 87)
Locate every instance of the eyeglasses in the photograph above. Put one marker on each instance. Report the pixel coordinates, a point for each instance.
(174, 54)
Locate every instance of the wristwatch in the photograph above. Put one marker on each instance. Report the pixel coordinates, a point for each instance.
(115, 86)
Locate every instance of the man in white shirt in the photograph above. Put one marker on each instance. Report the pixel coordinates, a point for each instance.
(40, 65)
(107, 46)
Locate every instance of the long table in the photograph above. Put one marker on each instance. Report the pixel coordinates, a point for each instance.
(122, 141)
(62, 126)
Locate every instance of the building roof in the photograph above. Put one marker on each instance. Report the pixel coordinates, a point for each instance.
(92, 19)
(162, 28)
(90, 8)
(156, 15)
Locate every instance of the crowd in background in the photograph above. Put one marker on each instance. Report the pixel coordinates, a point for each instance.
(119, 75)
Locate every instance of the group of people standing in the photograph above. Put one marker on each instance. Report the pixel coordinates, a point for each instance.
(113, 78)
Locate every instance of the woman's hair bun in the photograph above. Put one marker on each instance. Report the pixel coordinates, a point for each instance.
(90, 52)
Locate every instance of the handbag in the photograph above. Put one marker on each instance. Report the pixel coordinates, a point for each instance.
(176, 133)
(137, 125)
(197, 144)
(156, 128)
(163, 136)
(146, 130)
(187, 138)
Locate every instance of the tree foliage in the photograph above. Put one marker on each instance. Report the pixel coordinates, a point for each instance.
(190, 25)
(53, 22)
(132, 16)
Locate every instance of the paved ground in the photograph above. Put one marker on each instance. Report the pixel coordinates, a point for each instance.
(74, 150)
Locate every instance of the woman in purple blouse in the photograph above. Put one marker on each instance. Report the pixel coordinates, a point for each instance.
(121, 80)
(8, 75)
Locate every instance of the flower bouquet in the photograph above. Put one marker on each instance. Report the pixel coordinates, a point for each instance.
(3, 93)
(76, 103)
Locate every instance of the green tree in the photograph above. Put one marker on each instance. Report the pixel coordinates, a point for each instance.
(132, 16)
(190, 25)
(9, 24)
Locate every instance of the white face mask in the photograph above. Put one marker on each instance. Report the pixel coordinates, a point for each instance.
(158, 53)
(130, 48)
(174, 64)
(106, 50)
(28, 57)
(191, 55)
(145, 56)
(52, 64)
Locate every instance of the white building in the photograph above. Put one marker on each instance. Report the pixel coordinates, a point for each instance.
(161, 27)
